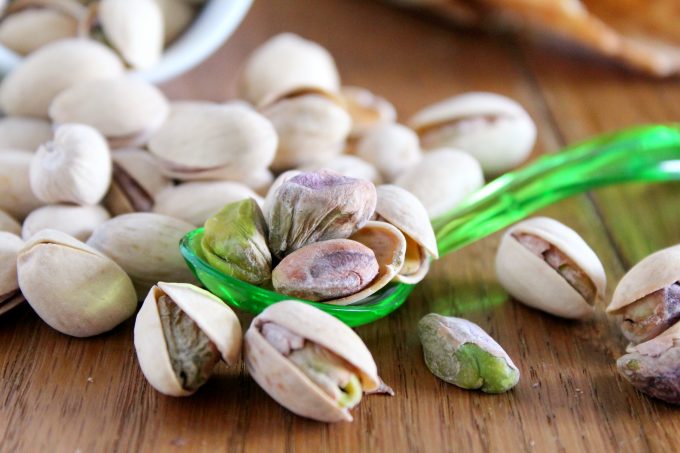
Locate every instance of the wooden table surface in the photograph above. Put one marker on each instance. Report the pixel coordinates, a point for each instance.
(65, 394)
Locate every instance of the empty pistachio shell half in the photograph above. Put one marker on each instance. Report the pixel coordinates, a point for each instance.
(195, 202)
(76, 221)
(18, 132)
(17, 197)
(547, 265)
(442, 179)
(286, 63)
(235, 242)
(9, 224)
(346, 165)
(73, 287)
(496, 130)
(145, 245)
(461, 353)
(647, 298)
(73, 168)
(308, 361)
(391, 147)
(10, 295)
(125, 110)
(29, 89)
(181, 332)
(366, 109)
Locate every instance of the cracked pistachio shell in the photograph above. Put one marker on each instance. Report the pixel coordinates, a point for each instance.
(391, 147)
(195, 202)
(145, 245)
(284, 64)
(125, 110)
(17, 132)
(75, 167)
(10, 296)
(30, 88)
(16, 196)
(494, 129)
(214, 142)
(9, 224)
(346, 165)
(177, 15)
(442, 179)
(73, 287)
(317, 206)
(76, 221)
(461, 353)
(366, 109)
(208, 314)
(283, 381)
(532, 281)
(235, 242)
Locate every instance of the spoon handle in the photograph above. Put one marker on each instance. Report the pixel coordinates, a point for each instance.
(648, 153)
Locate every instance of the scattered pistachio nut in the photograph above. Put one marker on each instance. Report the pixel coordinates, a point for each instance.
(76, 221)
(10, 295)
(347, 165)
(308, 361)
(366, 109)
(9, 223)
(17, 132)
(17, 197)
(235, 242)
(73, 287)
(181, 332)
(547, 265)
(391, 147)
(462, 353)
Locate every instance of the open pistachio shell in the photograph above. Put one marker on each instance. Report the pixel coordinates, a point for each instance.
(17, 197)
(286, 382)
(76, 221)
(10, 295)
(366, 109)
(207, 313)
(547, 265)
(346, 165)
(391, 147)
(17, 132)
(9, 224)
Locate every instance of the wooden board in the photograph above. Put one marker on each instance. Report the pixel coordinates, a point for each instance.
(64, 394)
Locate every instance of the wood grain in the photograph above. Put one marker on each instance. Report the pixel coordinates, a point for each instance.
(64, 394)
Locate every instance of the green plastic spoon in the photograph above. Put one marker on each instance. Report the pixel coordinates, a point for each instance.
(649, 153)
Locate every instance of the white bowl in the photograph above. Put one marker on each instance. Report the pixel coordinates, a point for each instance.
(216, 21)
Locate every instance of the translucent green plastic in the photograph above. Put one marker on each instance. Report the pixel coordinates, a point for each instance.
(650, 153)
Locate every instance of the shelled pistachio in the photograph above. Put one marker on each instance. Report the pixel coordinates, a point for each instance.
(10, 295)
(76, 221)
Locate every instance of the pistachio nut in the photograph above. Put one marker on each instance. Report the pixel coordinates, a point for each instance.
(346, 165)
(270, 198)
(235, 242)
(10, 295)
(316, 206)
(647, 299)
(181, 332)
(75, 167)
(547, 265)
(72, 287)
(494, 129)
(326, 270)
(135, 183)
(195, 202)
(308, 361)
(402, 209)
(145, 245)
(653, 367)
(177, 15)
(9, 224)
(366, 109)
(29, 89)
(214, 142)
(17, 198)
(461, 353)
(76, 221)
(24, 133)
(125, 110)
(442, 179)
(391, 147)
(284, 64)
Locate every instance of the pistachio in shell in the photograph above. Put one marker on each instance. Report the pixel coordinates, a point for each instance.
(76, 221)
(181, 332)
(347, 165)
(17, 198)
(391, 147)
(10, 295)
(17, 132)
(235, 242)
(308, 361)
(366, 109)
(9, 223)
(177, 15)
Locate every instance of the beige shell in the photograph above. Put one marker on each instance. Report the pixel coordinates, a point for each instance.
(286, 63)
(391, 147)
(24, 133)
(212, 316)
(346, 165)
(214, 142)
(532, 281)
(283, 381)
(177, 15)
(496, 130)
(73, 168)
(146, 246)
(9, 224)
(260, 180)
(195, 202)
(29, 89)
(654, 272)
(366, 109)
(17, 198)
(442, 179)
(10, 296)
(72, 287)
(76, 221)
(125, 110)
